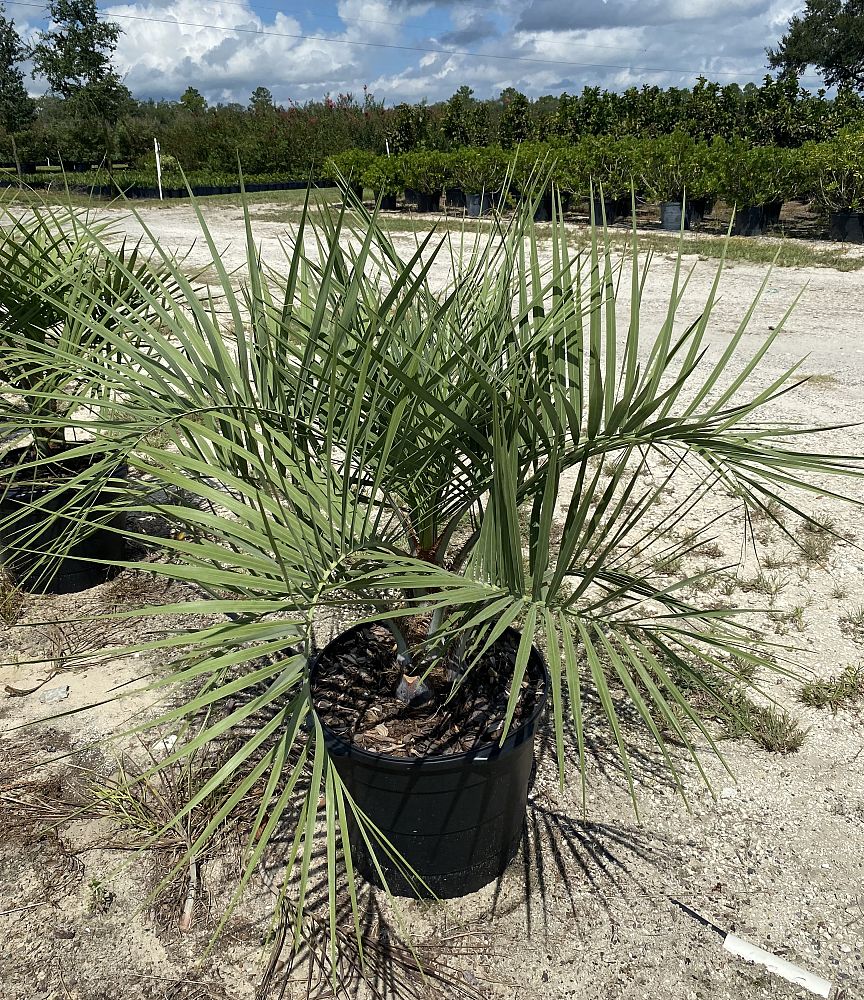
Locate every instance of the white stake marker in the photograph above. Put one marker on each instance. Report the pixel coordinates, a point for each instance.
(779, 966)
(158, 167)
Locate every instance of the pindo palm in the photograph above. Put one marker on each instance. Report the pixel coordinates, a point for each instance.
(364, 435)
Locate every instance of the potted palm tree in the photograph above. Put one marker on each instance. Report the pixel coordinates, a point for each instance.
(56, 500)
(422, 509)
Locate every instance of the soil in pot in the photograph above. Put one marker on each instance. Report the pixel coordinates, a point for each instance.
(429, 772)
(25, 495)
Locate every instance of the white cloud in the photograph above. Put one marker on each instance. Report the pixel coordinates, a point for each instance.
(169, 46)
(615, 44)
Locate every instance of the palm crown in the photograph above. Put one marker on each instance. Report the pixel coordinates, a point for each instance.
(354, 436)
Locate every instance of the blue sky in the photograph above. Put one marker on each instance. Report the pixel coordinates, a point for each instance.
(226, 48)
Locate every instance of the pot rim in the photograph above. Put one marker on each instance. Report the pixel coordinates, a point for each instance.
(484, 752)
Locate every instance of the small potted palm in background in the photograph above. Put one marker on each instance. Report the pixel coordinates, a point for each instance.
(59, 296)
(406, 497)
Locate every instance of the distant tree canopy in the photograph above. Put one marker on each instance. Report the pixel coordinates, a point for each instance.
(17, 108)
(829, 35)
(193, 101)
(74, 55)
(261, 101)
(88, 116)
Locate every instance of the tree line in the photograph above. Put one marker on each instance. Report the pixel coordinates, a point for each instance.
(88, 116)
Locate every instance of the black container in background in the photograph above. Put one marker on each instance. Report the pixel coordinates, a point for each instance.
(608, 205)
(670, 216)
(771, 212)
(749, 221)
(477, 205)
(846, 226)
(454, 197)
(543, 211)
(426, 202)
(388, 202)
(456, 819)
(72, 571)
(698, 208)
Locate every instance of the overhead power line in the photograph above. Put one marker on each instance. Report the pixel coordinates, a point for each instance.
(297, 36)
(391, 24)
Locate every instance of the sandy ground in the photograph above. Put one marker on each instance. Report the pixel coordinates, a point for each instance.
(588, 909)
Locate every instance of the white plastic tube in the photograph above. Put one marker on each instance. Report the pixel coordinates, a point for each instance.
(779, 966)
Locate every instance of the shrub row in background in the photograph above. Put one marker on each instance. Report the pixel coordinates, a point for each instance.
(144, 183)
(830, 173)
(295, 139)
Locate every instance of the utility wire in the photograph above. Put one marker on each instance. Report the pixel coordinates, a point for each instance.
(397, 24)
(402, 48)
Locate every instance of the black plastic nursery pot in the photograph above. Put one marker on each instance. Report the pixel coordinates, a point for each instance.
(427, 202)
(671, 213)
(456, 819)
(455, 197)
(846, 226)
(544, 209)
(698, 208)
(42, 523)
(749, 221)
(610, 207)
(477, 205)
(771, 212)
(388, 202)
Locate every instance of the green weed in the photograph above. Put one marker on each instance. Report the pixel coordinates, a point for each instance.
(841, 691)
(774, 729)
(852, 622)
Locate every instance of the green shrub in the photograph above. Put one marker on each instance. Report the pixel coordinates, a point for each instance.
(351, 164)
(835, 171)
(384, 175)
(427, 171)
(601, 162)
(676, 165)
(478, 170)
(757, 175)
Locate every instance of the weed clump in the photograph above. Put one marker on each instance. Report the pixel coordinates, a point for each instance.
(844, 690)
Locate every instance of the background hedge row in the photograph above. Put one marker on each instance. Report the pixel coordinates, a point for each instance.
(292, 140)
(829, 173)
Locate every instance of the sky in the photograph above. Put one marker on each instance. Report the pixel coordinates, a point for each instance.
(303, 49)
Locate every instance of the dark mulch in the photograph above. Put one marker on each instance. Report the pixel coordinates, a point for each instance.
(355, 695)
